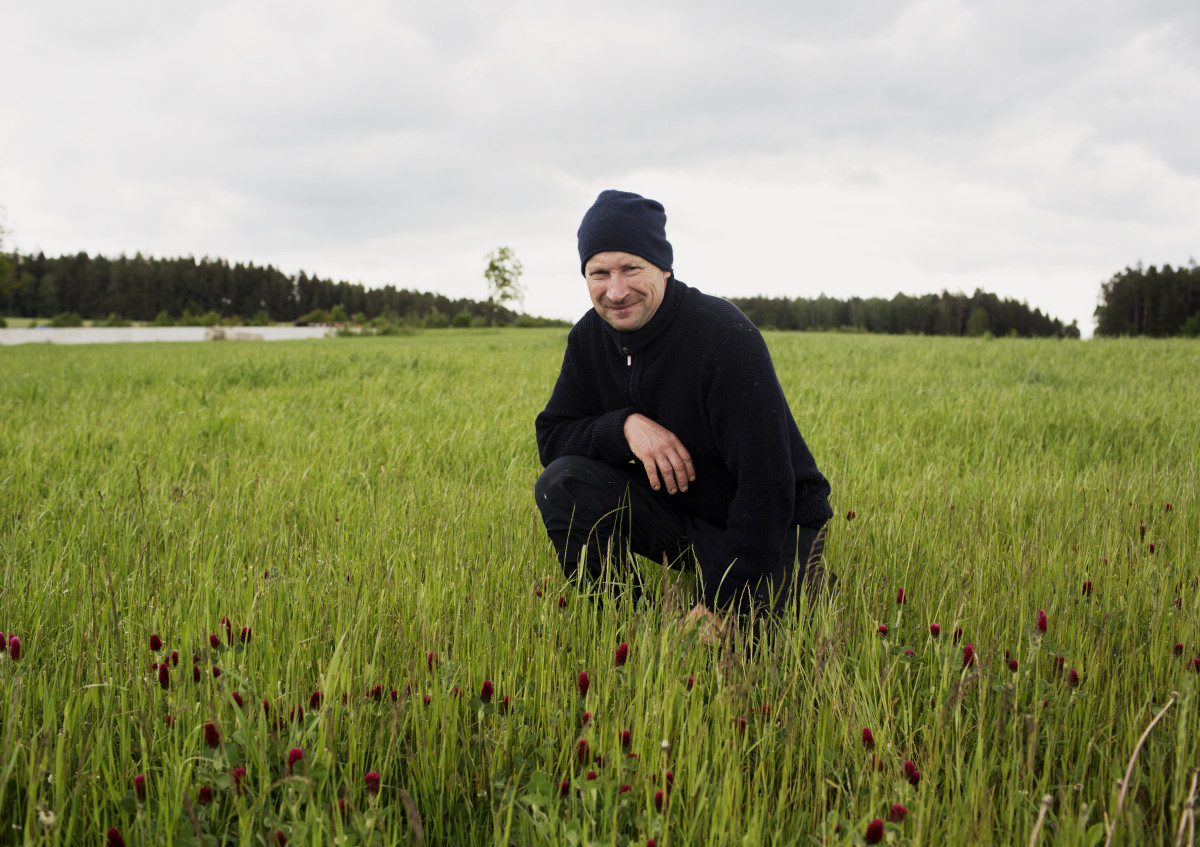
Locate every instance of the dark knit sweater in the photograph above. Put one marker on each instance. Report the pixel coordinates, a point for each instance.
(701, 369)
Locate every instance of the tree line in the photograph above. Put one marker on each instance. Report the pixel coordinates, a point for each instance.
(929, 314)
(1151, 301)
(149, 289)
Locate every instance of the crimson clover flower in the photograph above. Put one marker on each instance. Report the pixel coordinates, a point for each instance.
(3, 642)
(204, 796)
(114, 837)
(14, 648)
(911, 773)
(139, 786)
(591, 774)
(868, 739)
(431, 659)
(564, 787)
(660, 800)
(280, 838)
(897, 813)
(239, 774)
(485, 693)
(691, 680)
(562, 602)
(212, 735)
(294, 755)
(901, 598)
(296, 713)
(237, 698)
(882, 629)
(371, 780)
(1041, 621)
(1012, 665)
(621, 655)
(874, 832)
(175, 658)
(850, 515)
(1073, 678)
(314, 700)
(1142, 530)
(195, 673)
(216, 671)
(584, 683)
(968, 655)
(1178, 649)
(626, 739)
(622, 789)
(228, 624)
(214, 640)
(583, 753)
(164, 676)
(1087, 588)
(934, 630)
(246, 635)
(1151, 546)
(155, 642)
(957, 634)
(377, 692)
(587, 717)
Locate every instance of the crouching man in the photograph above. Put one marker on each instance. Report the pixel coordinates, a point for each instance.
(668, 433)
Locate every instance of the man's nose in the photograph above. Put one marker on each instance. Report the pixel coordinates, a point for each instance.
(617, 289)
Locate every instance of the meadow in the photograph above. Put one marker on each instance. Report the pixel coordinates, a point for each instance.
(299, 591)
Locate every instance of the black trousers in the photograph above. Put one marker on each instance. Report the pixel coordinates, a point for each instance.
(599, 513)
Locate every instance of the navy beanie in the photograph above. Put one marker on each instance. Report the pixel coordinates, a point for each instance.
(628, 223)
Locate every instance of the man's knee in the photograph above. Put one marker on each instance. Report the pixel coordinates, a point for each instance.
(579, 488)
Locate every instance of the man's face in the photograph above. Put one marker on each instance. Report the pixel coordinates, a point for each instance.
(626, 290)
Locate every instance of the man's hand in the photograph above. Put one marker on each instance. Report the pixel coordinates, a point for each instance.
(712, 629)
(661, 452)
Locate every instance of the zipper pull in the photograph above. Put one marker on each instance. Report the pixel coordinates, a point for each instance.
(628, 357)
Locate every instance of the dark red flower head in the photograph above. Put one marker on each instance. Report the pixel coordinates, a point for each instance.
(564, 787)
(850, 515)
(587, 718)
(623, 789)
(246, 635)
(897, 813)
(740, 722)
(204, 795)
(139, 786)
(294, 755)
(214, 640)
(195, 673)
(621, 655)
(1194, 665)
(1012, 665)
(1151, 546)
(868, 739)
(584, 683)
(314, 700)
(1142, 530)
(691, 680)
(3, 642)
(280, 838)
(237, 698)
(485, 693)
(1041, 621)
(968, 655)
(583, 753)
(239, 774)
(212, 735)
(934, 630)
(175, 658)
(377, 692)
(901, 597)
(1178, 649)
(155, 642)
(296, 713)
(562, 602)
(164, 676)
(1087, 588)
(228, 624)
(660, 799)
(372, 782)
(626, 739)
(426, 699)
(882, 629)
(216, 672)
(911, 773)
(874, 831)
(14, 648)
(1073, 678)
(114, 837)
(957, 633)
(431, 659)
(591, 775)
(504, 705)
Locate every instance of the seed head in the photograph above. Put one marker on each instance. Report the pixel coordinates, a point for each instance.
(897, 813)
(874, 832)
(372, 782)
(934, 630)
(14, 648)
(155, 642)
(164, 676)
(868, 739)
(139, 786)
(584, 683)
(114, 837)
(621, 655)
(294, 755)
(485, 693)
(968, 655)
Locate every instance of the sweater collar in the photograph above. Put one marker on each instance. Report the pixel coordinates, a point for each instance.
(631, 342)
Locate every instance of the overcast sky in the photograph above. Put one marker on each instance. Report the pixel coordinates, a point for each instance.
(1031, 149)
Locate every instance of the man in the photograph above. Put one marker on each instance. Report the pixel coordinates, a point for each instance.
(668, 431)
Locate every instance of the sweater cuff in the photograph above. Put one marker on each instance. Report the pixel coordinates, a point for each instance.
(608, 436)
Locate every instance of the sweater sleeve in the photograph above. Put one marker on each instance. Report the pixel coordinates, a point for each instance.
(574, 422)
(750, 422)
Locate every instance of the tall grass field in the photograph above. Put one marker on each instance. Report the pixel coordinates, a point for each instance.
(299, 593)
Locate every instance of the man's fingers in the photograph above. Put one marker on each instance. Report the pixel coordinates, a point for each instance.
(651, 472)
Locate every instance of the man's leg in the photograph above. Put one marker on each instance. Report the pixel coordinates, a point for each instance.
(592, 510)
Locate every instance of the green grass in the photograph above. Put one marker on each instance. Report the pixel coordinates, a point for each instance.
(360, 503)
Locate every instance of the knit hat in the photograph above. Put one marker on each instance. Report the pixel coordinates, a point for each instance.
(628, 223)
